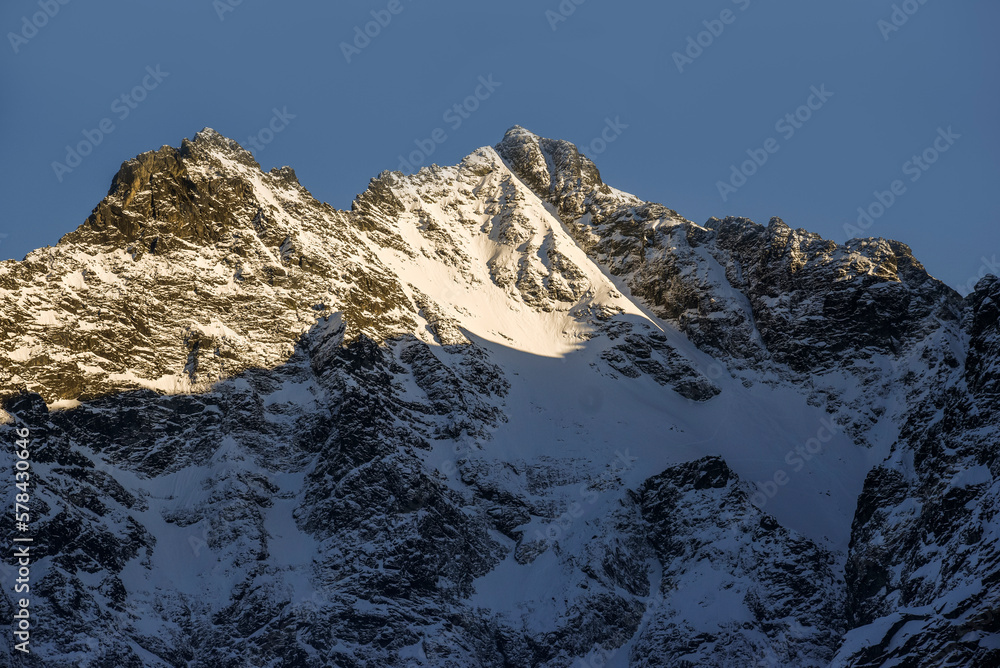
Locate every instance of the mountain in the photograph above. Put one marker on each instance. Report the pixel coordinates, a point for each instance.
(497, 414)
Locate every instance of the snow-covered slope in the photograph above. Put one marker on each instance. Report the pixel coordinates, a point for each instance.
(497, 414)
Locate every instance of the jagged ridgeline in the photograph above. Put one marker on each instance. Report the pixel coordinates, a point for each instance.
(497, 414)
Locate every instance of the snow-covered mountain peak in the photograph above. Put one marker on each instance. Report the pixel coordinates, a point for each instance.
(557, 172)
(498, 413)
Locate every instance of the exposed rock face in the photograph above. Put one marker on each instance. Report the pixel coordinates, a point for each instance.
(781, 606)
(924, 570)
(497, 414)
(766, 298)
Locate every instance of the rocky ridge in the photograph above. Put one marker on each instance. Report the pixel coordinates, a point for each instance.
(470, 422)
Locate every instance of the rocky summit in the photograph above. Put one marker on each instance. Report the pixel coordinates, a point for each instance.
(497, 414)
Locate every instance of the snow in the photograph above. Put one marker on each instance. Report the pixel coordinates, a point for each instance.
(63, 404)
(974, 475)
(566, 409)
(22, 354)
(485, 308)
(167, 384)
(515, 590)
(76, 280)
(216, 329)
(560, 406)
(48, 318)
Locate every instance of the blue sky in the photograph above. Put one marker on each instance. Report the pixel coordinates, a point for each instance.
(561, 69)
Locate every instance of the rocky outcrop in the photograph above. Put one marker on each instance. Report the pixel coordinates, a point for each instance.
(924, 563)
(736, 588)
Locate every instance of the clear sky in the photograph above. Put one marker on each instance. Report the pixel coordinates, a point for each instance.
(684, 113)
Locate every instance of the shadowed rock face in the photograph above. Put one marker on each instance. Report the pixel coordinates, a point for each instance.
(757, 297)
(811, 300)
(782, 606)
(815, 302)
(983, 325)
(926, 526)
(287, 438)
